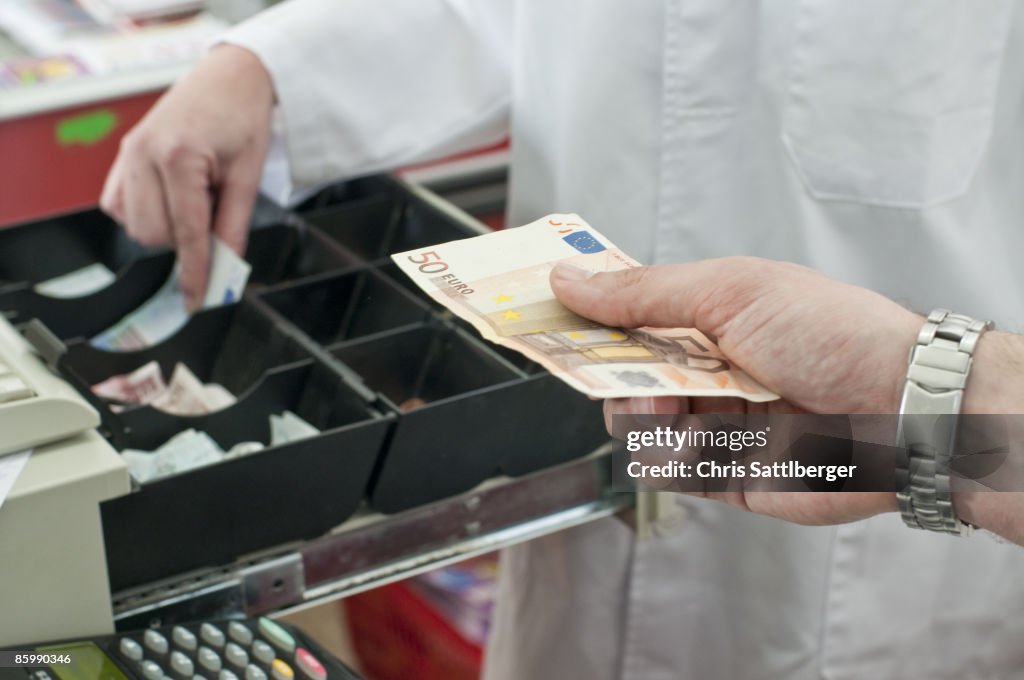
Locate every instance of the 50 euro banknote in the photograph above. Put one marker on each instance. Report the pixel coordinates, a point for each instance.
(499, 283)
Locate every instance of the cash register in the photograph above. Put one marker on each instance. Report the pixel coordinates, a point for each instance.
(413, 410)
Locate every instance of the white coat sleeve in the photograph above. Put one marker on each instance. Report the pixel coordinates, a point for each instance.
(369, 85)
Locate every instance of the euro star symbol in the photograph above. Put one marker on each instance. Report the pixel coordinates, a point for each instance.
(511, 315)
(503, 298)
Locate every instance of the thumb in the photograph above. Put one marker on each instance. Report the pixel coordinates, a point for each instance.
(666, 296)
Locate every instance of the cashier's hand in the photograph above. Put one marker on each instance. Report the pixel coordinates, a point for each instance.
(824, 346)
(193, 164)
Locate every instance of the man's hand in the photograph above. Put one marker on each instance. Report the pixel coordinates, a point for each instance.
(193, 164)
(824, 346)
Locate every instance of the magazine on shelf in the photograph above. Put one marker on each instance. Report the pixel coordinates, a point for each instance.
(42, 26)
(65, 41)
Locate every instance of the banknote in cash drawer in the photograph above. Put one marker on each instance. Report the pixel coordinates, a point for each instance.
(78, 273)
(212, 515)
(345, 306)
(232, 346)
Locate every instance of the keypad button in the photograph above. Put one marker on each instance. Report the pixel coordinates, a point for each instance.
(184, 638)
(182, 664)
(226, 675)
(152, 670)
(240, 633)
(212, 635)
(40, 674)
(131, 649)
(281, 671)
(309, 664)
(209, 659)
(263, 652)
(236, 655)
(254, 672)
(156, 642)
(277, 635)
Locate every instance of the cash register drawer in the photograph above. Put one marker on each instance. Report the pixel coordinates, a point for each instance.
(298, 490)
(413, 406)
(281, 248)
(212, 515)
(33, 253)
(466, 414)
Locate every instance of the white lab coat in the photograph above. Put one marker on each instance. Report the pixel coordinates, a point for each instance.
(881, 141)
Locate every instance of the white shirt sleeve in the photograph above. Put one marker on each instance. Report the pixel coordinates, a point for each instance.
(369, 85)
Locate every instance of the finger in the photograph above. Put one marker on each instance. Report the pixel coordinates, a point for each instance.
(610, 408)
(186, 180)
(645, 406)
(234, 208)
(111, 198)
(628, 413)
(719, 405)
(145, 212)
(737, 499)
(686, 295)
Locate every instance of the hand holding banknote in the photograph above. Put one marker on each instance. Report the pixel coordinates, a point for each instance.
(822, 345)
(166, 312)
(499, 284)
(192, 166)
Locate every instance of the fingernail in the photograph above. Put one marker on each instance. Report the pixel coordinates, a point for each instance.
(570, 272)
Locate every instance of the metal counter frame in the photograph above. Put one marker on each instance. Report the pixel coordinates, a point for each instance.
(371, 550)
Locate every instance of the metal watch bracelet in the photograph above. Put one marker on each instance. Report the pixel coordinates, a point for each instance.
(940, 362)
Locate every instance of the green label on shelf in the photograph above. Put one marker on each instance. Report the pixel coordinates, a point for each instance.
(86, 128)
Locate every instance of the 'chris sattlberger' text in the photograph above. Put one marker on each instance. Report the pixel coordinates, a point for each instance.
(709, 469)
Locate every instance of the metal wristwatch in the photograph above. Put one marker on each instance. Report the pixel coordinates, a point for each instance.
(940, 361)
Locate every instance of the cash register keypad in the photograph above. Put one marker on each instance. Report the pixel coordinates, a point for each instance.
(224, 651)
